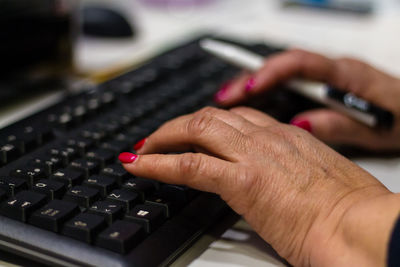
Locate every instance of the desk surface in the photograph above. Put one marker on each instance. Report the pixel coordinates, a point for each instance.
(374, 39)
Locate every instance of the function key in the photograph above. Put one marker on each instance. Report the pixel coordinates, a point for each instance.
(22, 205)
(54, 214)
(120, 237)
(84, 227)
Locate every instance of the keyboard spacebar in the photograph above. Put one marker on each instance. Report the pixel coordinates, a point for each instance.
(177, 234)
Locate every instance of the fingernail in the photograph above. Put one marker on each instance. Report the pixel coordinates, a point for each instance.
(301, 123)
(127, 157)
(251, 83)
(139, 144)
(221, 94)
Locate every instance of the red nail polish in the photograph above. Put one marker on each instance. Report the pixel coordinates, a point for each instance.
(139, 144)
(301, 123)
(251, 83)
(221, 94)
(127, 157)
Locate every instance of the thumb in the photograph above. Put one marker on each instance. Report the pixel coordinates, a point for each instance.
(335, 128)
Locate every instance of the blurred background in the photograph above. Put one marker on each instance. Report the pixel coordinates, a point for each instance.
(366, 29)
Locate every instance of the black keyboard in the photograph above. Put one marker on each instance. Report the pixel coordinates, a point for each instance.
(65, 199)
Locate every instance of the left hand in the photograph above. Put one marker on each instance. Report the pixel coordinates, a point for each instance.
(348, 75)
(298, 194)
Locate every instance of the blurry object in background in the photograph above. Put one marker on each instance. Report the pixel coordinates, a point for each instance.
(177, 3)
(36, 44)
(105, 22)
(354, 6)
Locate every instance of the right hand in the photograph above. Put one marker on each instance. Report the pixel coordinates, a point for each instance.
(326, 124)
(315, 207)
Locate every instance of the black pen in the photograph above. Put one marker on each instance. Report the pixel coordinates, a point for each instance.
(344, 102)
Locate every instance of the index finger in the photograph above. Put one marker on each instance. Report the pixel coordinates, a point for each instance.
(282, 67)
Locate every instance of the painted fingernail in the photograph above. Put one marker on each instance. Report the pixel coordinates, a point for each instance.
(302, 123)
(139, 144)
(126, 157)
(251, 83)
(221, 94)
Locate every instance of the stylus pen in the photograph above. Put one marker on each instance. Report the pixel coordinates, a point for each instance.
(344, 102)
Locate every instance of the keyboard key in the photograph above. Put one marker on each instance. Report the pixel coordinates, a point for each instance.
(170, 207)
(102, 156)
(12, 185)
(3, 195)
(109, 126)
(84, 227)
(149, 216)
(102, 183)
(120, 237)
(181, 194)
(66, 154)
(117, 172)
(125, 198)
(142, 187)
(95, 135)
(51, 188)
(29, 174)
(48, 164)
(86, 166)
(116, 146)
(52, 216)
(82, 195)
(82, 145)
(26, 138)
(69, 177)
(22, 205)
(8, 153)
(111, 211)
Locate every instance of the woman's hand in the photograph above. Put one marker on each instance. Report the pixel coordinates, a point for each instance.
(303, 198)
(327, 125)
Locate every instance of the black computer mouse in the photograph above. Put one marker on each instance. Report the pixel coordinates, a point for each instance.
(105, 22)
